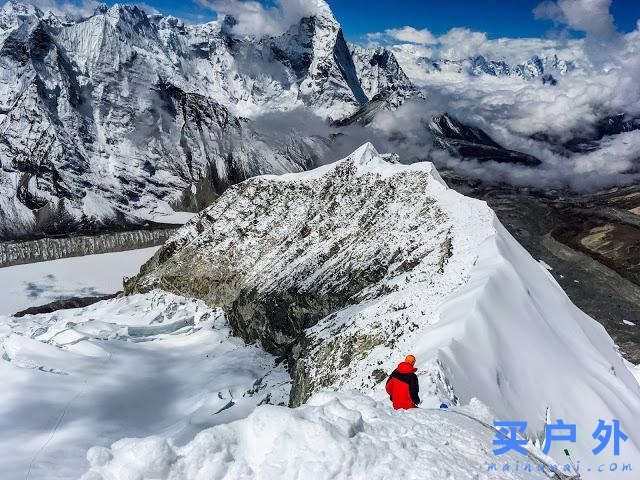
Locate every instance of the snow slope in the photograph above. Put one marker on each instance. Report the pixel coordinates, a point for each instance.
(125, 367)
(350, 266)
(334, 436)
(342, 270)
(39, 283)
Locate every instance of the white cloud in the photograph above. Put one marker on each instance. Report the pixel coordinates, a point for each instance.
(462, 43)
(590, 16)
(608, 49)
(254, 19)
(458, 43)
(412, 35)
(406, 34)
(605, 82)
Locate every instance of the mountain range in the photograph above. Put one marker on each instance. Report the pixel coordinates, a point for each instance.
(547, 68)
(117, 119)
(123, 120)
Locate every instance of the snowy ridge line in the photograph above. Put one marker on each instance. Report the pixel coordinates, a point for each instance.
(438, 276)
(44, 249)
(335, 436)
(530, 452)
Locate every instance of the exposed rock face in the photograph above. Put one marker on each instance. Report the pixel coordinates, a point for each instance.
(388, 100)
(64, 304)
(587, 139)
(471, 142)
(280, 254)
(380, 73)
(302, 248)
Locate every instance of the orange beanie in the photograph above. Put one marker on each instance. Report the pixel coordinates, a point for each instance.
(410, 359)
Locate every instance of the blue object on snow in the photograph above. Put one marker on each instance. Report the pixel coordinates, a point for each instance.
(444, 405)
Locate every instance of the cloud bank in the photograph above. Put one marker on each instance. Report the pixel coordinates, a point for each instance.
(516, 111)
(255, 19)
(589, 16)
(405, 34)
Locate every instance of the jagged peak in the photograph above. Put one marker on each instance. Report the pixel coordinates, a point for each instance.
(317, 9)
(52, 19)
(101, 9)
(13, 7)
(364, 154)
(365, 160)
(322, 7)
(168, 21)
(123, 10)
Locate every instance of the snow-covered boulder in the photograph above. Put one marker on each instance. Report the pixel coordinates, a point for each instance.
(348, 267)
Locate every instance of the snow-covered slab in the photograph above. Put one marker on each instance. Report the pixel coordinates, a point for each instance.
(163, 213)
(39, 283)
(334, 436)
(121, 368)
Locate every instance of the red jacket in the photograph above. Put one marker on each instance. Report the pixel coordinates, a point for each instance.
(402, 386)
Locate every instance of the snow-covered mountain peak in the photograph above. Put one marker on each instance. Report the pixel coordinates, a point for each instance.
(347, 267)
(322, 9)
(13, 14)
(100, 9)
(365, 155)
(127, 12)
(366, 159)
(100, 114)
(131, 21)
(13, 7)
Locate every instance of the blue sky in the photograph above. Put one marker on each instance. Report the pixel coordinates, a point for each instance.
(497, 18)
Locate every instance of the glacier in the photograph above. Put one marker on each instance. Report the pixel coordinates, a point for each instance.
(122, 367)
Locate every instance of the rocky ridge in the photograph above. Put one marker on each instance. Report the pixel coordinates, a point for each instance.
(340, 268)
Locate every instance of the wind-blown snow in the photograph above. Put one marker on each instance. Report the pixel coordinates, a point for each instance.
(334, 436)
(125, 367)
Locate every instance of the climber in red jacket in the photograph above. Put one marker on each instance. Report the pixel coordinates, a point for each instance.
(402, 385)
